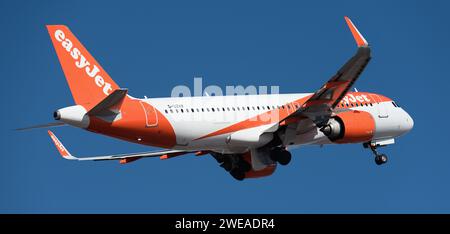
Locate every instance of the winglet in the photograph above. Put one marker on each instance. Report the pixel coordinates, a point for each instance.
(360, 40)
(60, 147)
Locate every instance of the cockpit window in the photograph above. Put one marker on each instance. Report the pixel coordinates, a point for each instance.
(395, 104)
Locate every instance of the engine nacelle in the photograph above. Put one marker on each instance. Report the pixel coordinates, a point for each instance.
(73, 115)
(350, 127)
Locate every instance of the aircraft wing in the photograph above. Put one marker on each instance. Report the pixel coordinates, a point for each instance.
(124, 158)
(320, 105)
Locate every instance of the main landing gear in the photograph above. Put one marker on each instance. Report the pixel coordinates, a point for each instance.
(280, 155)
(237, 166)
(234, 164)
(379, 158)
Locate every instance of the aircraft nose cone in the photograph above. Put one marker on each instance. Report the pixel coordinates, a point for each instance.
(409, 123)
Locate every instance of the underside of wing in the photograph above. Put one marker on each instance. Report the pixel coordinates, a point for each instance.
(124, 158)
(328, 97)
(320, 105)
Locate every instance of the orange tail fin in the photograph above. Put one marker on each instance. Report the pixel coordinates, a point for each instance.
(88, 81)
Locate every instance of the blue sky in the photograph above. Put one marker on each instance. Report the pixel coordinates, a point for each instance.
(152, 47)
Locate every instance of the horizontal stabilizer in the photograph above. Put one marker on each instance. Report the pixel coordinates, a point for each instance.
(113, 99)
(49, 125)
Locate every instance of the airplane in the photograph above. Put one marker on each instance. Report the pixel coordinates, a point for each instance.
(248, 135)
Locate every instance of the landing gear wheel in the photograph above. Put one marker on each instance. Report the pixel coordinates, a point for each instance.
(274, 154)
(226, 165)
(281, 156)
(284, 157)
(381, 159)
(238, 174)
(244, 166)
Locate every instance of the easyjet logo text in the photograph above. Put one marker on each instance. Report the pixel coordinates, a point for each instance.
(59, 145)
(82, 63)
(355, 98)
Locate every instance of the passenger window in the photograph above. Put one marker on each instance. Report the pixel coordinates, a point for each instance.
(171, 111)
(192, 110)
(248, 108)
(203, 110)
(181, 110)
(166, 111)
(233, 108)
(212, 109)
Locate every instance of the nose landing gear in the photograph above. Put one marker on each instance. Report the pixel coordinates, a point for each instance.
(379, 158)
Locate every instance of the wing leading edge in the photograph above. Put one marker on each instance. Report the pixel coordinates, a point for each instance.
(320, 105)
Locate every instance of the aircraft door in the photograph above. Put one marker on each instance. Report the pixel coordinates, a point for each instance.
(151, 117)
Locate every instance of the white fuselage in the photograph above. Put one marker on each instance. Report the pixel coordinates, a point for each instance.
(213, 122)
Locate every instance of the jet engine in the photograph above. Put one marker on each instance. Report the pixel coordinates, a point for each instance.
(350, 127)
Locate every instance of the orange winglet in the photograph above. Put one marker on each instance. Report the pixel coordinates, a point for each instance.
(60, 147)
(62, 150)
(360, 40)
